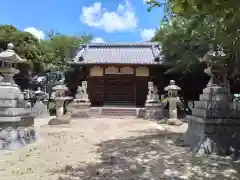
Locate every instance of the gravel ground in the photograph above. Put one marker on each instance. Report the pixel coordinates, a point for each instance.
(109, 149)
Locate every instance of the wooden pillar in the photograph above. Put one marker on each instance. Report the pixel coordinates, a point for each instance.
(134, 80)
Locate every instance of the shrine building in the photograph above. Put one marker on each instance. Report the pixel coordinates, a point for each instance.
(118, 74)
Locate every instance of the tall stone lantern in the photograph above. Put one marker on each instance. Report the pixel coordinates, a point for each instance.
(60, 99)
(173, 99)
(213, 126)
(16, 121)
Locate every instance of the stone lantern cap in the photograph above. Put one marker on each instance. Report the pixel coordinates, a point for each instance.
(60, 87)
(211, 55)
(172, 87)
(10, 56)
(39, 92)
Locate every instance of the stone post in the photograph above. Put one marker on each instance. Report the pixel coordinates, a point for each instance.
(173, 99)
(59, 107)
(153, 105)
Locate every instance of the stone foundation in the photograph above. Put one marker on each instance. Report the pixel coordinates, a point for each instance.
(208, 136)
(14, 135)
(214, 126)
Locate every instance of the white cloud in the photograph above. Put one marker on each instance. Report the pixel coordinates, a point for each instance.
(147, 34)
(35, 32)
(111, 21)
(98, 40)
(146, 1)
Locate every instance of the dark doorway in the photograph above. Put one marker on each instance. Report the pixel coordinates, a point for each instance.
(119, 90)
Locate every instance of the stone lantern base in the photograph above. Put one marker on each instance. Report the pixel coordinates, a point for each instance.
(16, 121)
(214, 125)
(154, 110)
(59, 120)
(16, 134)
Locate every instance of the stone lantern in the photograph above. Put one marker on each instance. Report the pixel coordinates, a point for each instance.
(213, 126)
(40, 109)
(173, 99)
(60, 99)
(16, 121)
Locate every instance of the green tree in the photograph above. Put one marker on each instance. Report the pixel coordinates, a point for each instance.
(59, 50)
(26, 45)
(181, 45)
(47, 57)
(210, 25)
(62, 48)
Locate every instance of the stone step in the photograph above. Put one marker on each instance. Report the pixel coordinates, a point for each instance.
(118, 112)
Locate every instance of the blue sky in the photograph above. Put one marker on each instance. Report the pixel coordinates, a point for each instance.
(105, 20)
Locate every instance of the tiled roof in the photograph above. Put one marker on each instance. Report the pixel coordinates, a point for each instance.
(119, 53)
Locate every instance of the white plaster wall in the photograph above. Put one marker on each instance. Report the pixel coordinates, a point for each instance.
(127, 70)
(142, 71)
(111, 70)
(96, 71)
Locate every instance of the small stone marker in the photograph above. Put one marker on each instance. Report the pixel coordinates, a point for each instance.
(60, 98)
(40, 110)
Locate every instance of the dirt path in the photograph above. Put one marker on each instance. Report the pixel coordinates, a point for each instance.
(103, 149)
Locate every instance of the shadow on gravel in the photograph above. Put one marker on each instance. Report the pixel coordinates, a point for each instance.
(153, 156)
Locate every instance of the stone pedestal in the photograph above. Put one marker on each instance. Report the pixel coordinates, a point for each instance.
(154, 110)
(153, 106)
(16, 122)
(80, 107)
